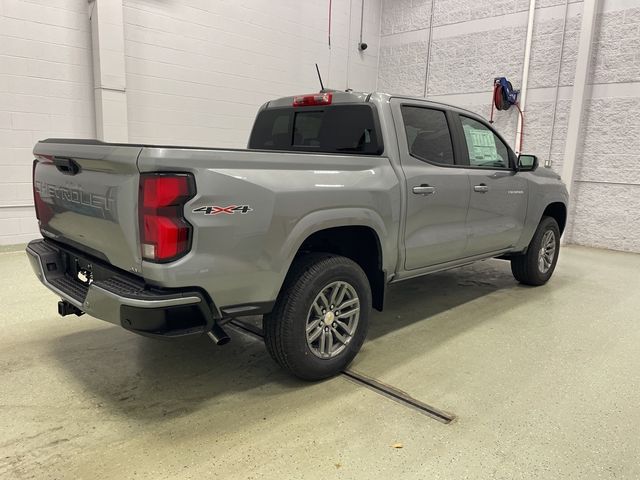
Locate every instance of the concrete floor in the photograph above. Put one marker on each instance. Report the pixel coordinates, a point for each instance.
(545, 383)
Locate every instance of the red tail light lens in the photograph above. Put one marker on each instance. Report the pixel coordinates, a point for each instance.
(165, 235)
(43, 210)
(313, 99)
(36, 193)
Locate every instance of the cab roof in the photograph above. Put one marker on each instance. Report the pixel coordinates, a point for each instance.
(349, 96)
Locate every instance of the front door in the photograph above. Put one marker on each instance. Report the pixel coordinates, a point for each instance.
(437, 191)
(498, 203)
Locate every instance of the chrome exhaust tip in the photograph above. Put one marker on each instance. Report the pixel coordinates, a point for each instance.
(218, 335)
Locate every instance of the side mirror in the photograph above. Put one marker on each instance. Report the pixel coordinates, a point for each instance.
(527, 163)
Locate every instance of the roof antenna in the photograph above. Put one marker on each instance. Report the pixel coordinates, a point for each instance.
(320, 78)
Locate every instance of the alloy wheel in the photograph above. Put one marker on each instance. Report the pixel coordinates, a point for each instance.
(547, 251)
(332, 319)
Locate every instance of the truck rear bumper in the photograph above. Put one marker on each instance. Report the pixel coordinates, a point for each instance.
(118, 297)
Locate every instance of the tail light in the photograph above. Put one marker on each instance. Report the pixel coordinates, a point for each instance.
(44, 213)
(36, 193)
(165, 234)
(313, 99)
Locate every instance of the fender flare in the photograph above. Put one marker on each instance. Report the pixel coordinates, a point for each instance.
(320, 220)
(534, 217)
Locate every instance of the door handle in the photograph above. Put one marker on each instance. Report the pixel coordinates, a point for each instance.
(424, 190)
(482, 188)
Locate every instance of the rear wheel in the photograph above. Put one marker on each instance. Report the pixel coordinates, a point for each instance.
(321, 317)
(537, 265)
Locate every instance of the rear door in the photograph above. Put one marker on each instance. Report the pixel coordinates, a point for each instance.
(437, 191)
(86, 196)
(498, 203)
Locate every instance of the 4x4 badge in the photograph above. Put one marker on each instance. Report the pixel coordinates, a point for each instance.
(229, 210)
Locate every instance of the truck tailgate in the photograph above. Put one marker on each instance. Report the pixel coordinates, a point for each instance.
(86, 196)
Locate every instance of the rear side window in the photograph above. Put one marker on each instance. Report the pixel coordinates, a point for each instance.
(330, 129)
(428, 136)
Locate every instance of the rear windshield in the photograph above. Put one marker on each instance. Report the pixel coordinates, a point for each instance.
(330, 129)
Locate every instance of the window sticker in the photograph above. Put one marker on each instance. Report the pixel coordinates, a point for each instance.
(481, 144)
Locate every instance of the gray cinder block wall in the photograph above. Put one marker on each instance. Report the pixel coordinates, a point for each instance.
(477, 40)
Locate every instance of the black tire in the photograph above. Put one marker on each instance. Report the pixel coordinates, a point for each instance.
(285, 328)
(526, 268)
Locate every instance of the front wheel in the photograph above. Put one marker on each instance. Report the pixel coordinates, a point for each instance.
(537, 265)
(321, 317)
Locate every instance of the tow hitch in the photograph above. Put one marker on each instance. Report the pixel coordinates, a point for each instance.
(65, 308)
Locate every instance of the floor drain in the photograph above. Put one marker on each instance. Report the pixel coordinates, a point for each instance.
(372, 384)
(399, 396)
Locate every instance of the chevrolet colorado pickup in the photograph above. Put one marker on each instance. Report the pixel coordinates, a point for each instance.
(338, 195)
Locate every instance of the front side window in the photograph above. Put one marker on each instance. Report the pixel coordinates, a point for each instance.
(485, 148)
(428, 136)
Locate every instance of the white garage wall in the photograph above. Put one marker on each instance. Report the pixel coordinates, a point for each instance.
(197, 70)
(196, 73)
(477, 40)
(45, 91)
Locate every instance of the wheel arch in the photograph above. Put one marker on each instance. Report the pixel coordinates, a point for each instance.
(554, 206)
(359, 243)
(352, 224)
(557, 211)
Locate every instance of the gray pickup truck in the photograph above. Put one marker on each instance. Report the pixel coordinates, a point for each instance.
(338, 195)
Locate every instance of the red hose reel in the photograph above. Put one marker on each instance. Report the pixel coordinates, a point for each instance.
(502, 98)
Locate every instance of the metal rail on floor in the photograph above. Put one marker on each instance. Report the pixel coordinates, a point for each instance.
(372, 384)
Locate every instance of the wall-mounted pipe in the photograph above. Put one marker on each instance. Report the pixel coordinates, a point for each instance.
(548, 162)
(361, 26)
(329, 26)
(426, 73)
(20, 205)
(525, 71)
